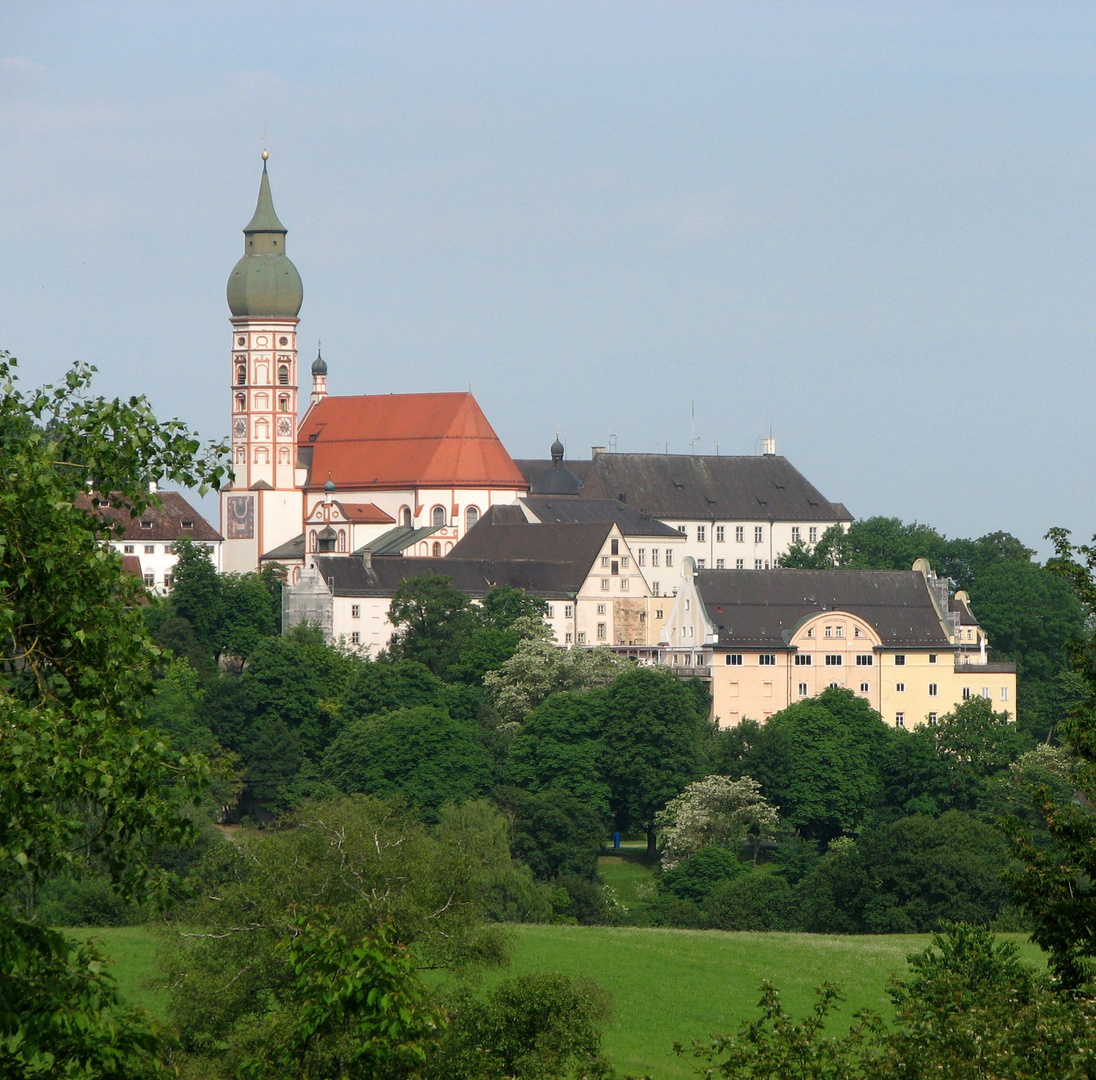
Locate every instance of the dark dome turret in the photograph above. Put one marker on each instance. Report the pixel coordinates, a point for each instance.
(264, 284)
(319, 365)
(557, 479)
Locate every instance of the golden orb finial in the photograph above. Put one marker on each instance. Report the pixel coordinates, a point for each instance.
(266, 154)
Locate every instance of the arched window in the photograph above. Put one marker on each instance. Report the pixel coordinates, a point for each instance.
(283, 456)
(262, 456)
(241, 374)
(283, 403)
(312, 540)
(241, 402)
(241, 455)
(405, 517)
(342, 539)
(437, 516)
(283, 375)
(471, 516)
(437, 551)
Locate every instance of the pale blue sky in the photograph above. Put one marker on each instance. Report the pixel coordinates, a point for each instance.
(869, 226)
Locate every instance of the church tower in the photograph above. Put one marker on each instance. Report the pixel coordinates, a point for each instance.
(263, 507)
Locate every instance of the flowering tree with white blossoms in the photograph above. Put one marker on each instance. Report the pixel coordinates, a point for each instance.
(717, 810)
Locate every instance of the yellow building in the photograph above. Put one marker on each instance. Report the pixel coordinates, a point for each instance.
(766, 640)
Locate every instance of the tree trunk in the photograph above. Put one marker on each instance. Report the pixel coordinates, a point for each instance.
(652, 844)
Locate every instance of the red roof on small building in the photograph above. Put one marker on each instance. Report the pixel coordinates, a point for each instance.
(393, 441)
(365, 514)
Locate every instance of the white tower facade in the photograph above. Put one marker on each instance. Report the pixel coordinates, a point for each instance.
(263, 507)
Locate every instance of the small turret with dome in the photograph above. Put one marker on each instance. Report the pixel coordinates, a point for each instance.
(264, 284)
(319, 378)
(557, 479)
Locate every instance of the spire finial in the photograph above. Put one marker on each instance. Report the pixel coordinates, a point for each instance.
(266, 152)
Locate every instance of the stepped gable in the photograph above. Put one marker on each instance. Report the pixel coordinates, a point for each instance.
(701, 487)
(392, 441)
(762, 608)
(628, 519)
(578, 542)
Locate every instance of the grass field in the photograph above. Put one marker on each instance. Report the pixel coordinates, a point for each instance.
(666, 985)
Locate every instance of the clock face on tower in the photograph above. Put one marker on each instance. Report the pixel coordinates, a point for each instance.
(284, 426)
(239, 427)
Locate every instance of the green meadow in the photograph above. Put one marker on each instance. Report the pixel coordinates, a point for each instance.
(666, 985)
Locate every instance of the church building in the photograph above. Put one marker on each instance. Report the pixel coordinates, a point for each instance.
(412, 472)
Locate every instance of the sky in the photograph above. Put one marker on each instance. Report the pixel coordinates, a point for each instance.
(866, 227)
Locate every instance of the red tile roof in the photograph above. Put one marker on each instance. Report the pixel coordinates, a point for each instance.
(366, 513)
(393, 441)
(173, 519)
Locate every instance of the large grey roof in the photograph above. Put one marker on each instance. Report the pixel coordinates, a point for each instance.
(473, 577)
(291, 549)
(762, 608)
(628, 519)
(396, 541)
(705, 487)
(577, 542)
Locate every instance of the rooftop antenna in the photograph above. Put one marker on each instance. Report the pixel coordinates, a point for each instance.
(612, 443)
(692, 429)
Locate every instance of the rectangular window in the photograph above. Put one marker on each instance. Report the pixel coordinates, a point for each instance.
(985, 692)
(900, 660)
(838, 631)
(601, 609)
(146, 524)
(582, 637)
(604, 560)
(934, 689)
(966, 693)
(127, 549)
(669, 556)
(150, 549)
(568, 611)
(624, 562)
(899, 719)
(601, 631)
(864, 688)
(150, 580)
(624, 584)
(642, 556)
(733, 659)
(932, 658)
(834, 660)
(857, 632)
(757, 564)
(654, 556)
(567, 638)
(549, 611)
(900, 688)
(932, 719)
(1004, 693)
(614, 547)
(803, 659)
(721, 564)
(614, 567)
(604, 584)
(740, 564)
(829, 631)
(700, 564)
(720, 534)
(812, 535)
(169, 580)
(701, 534)
(795, 534)
(810, 631)
(355, 611)
(767, 659)
(654, 589)
(658, 613)
(759, 534)
(865, 659)
(802, 689)
(740, 533)
(355, 638)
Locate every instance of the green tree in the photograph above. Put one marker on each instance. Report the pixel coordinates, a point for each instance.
(81, 784)
(432, 620)
(421, 754)
(556, 834)
(653, 742)
(819, 762)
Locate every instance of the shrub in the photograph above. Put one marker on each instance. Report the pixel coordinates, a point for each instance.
(752, 901)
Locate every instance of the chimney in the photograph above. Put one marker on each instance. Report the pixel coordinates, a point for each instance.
(367, 557)
(595, 450)
(768, 446)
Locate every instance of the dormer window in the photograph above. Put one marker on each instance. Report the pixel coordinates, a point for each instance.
(146, 524)
(188, 524)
